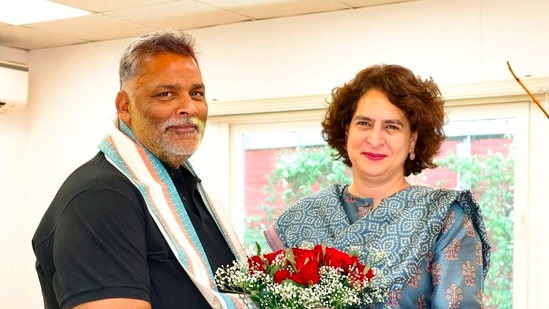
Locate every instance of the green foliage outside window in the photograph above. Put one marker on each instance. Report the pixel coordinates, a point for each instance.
(491, 178)
(302, 171)
(298, 172)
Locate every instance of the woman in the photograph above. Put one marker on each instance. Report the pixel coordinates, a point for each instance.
(387, 124)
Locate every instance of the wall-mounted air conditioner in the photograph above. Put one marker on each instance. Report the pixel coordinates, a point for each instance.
(14, 86)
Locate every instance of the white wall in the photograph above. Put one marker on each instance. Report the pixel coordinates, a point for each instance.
(16, 260)
(72, 89)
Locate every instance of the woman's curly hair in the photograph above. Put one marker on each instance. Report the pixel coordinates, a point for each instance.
(419, 99)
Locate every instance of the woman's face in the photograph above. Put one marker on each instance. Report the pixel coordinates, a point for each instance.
(378, 139)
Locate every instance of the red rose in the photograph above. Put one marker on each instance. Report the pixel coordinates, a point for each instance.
(307, 274)
(281, 275)
(270, 257)
(255, 263)
(303, 257)
(370, 274)
(338, 259)
(355, 261)
(319, 251)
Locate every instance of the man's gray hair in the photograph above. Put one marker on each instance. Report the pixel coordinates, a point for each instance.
(150, 44)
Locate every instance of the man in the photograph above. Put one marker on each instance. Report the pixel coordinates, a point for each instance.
(133, 227)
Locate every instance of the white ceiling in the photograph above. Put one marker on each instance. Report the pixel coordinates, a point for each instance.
(114, 19)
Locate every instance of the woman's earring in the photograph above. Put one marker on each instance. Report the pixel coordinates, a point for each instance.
(412, 151)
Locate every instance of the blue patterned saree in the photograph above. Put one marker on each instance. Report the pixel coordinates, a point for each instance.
(435, 240)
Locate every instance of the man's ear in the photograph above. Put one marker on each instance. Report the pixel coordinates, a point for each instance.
(122, 103)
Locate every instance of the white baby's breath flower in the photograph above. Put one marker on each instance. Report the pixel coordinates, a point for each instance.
(307, 245)
(355, 250)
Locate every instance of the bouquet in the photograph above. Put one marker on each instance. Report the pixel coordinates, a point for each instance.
(303, 278)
